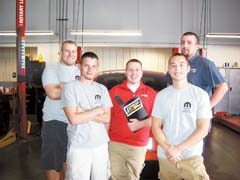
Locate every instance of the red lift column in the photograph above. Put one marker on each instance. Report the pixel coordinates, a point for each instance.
(203, 52)
(21, 68)
(175, 50)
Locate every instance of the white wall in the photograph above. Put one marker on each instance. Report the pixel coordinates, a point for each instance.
(161, 21)
(114, 57)
(222, 54)
(217, 53)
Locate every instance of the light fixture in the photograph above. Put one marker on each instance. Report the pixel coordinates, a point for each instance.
(40, 33)
(105, 33)
(28, 33)
(7, 33)
(223, 35)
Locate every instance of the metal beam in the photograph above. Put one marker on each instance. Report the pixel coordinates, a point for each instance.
(21, 64)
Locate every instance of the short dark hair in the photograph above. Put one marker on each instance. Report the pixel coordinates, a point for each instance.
(88, 54)
(133, 60)
(177, 54)
(68, 42)
(192, 34)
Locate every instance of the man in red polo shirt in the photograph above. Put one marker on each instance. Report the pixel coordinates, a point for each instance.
(129, 136)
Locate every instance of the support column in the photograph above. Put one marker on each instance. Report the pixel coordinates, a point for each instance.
(21, 66)
(203, 52)
(175, 50)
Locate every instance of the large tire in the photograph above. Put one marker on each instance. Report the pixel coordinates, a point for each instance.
(5, 111)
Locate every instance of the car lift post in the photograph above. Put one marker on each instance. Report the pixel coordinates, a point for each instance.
(21, 65)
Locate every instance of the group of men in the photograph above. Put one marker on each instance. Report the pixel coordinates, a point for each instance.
(86, 135)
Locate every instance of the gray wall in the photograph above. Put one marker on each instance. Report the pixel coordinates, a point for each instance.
(161, 21)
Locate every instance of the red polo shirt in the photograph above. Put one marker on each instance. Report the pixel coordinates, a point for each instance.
(119, 131)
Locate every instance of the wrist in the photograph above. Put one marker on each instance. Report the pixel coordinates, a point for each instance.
(179, 147)
(166, 147)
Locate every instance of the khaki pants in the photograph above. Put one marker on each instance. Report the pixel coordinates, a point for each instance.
(188, 169)
(126, 162)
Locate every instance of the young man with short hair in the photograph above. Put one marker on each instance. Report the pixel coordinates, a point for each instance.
(54, 127)
(181, 118)
(87, 106)
(129, 137)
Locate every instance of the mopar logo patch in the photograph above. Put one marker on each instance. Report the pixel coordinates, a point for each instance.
(187, 107)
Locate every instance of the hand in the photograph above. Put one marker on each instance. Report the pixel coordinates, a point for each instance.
(100, 118)
(133, 125)
(61, 85)
(173, 154)
(100, 110)
(175, 159)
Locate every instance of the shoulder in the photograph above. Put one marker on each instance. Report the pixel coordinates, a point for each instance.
(116, 89)
(51, 68)
(198, 91)
(64, 68)
(163, 95)
(165, 91)
(71, 83)
(148, 89)
(50, 75)
(206, 61)
(99, 85)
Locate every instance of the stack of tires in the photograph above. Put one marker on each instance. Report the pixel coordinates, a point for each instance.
(5, 111)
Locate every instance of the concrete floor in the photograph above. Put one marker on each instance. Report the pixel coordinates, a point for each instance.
(21, 160)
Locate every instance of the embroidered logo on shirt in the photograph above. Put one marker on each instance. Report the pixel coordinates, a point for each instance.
(97, 97)
(187, 107)
(144, 95)
(98, 100)
(193, 70)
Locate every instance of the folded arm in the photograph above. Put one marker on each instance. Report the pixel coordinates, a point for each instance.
(54, 91)
(77, 115)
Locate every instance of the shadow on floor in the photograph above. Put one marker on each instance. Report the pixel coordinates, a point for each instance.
(21, 160)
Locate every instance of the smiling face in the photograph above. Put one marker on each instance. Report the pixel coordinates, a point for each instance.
(189, 45)
(178, 67)
(134, 72)
(68, 53)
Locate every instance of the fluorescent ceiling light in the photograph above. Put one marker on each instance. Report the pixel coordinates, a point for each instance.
(7, 33)
(223, 35)
(105, 33)
(39, 33)
(27, 33)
